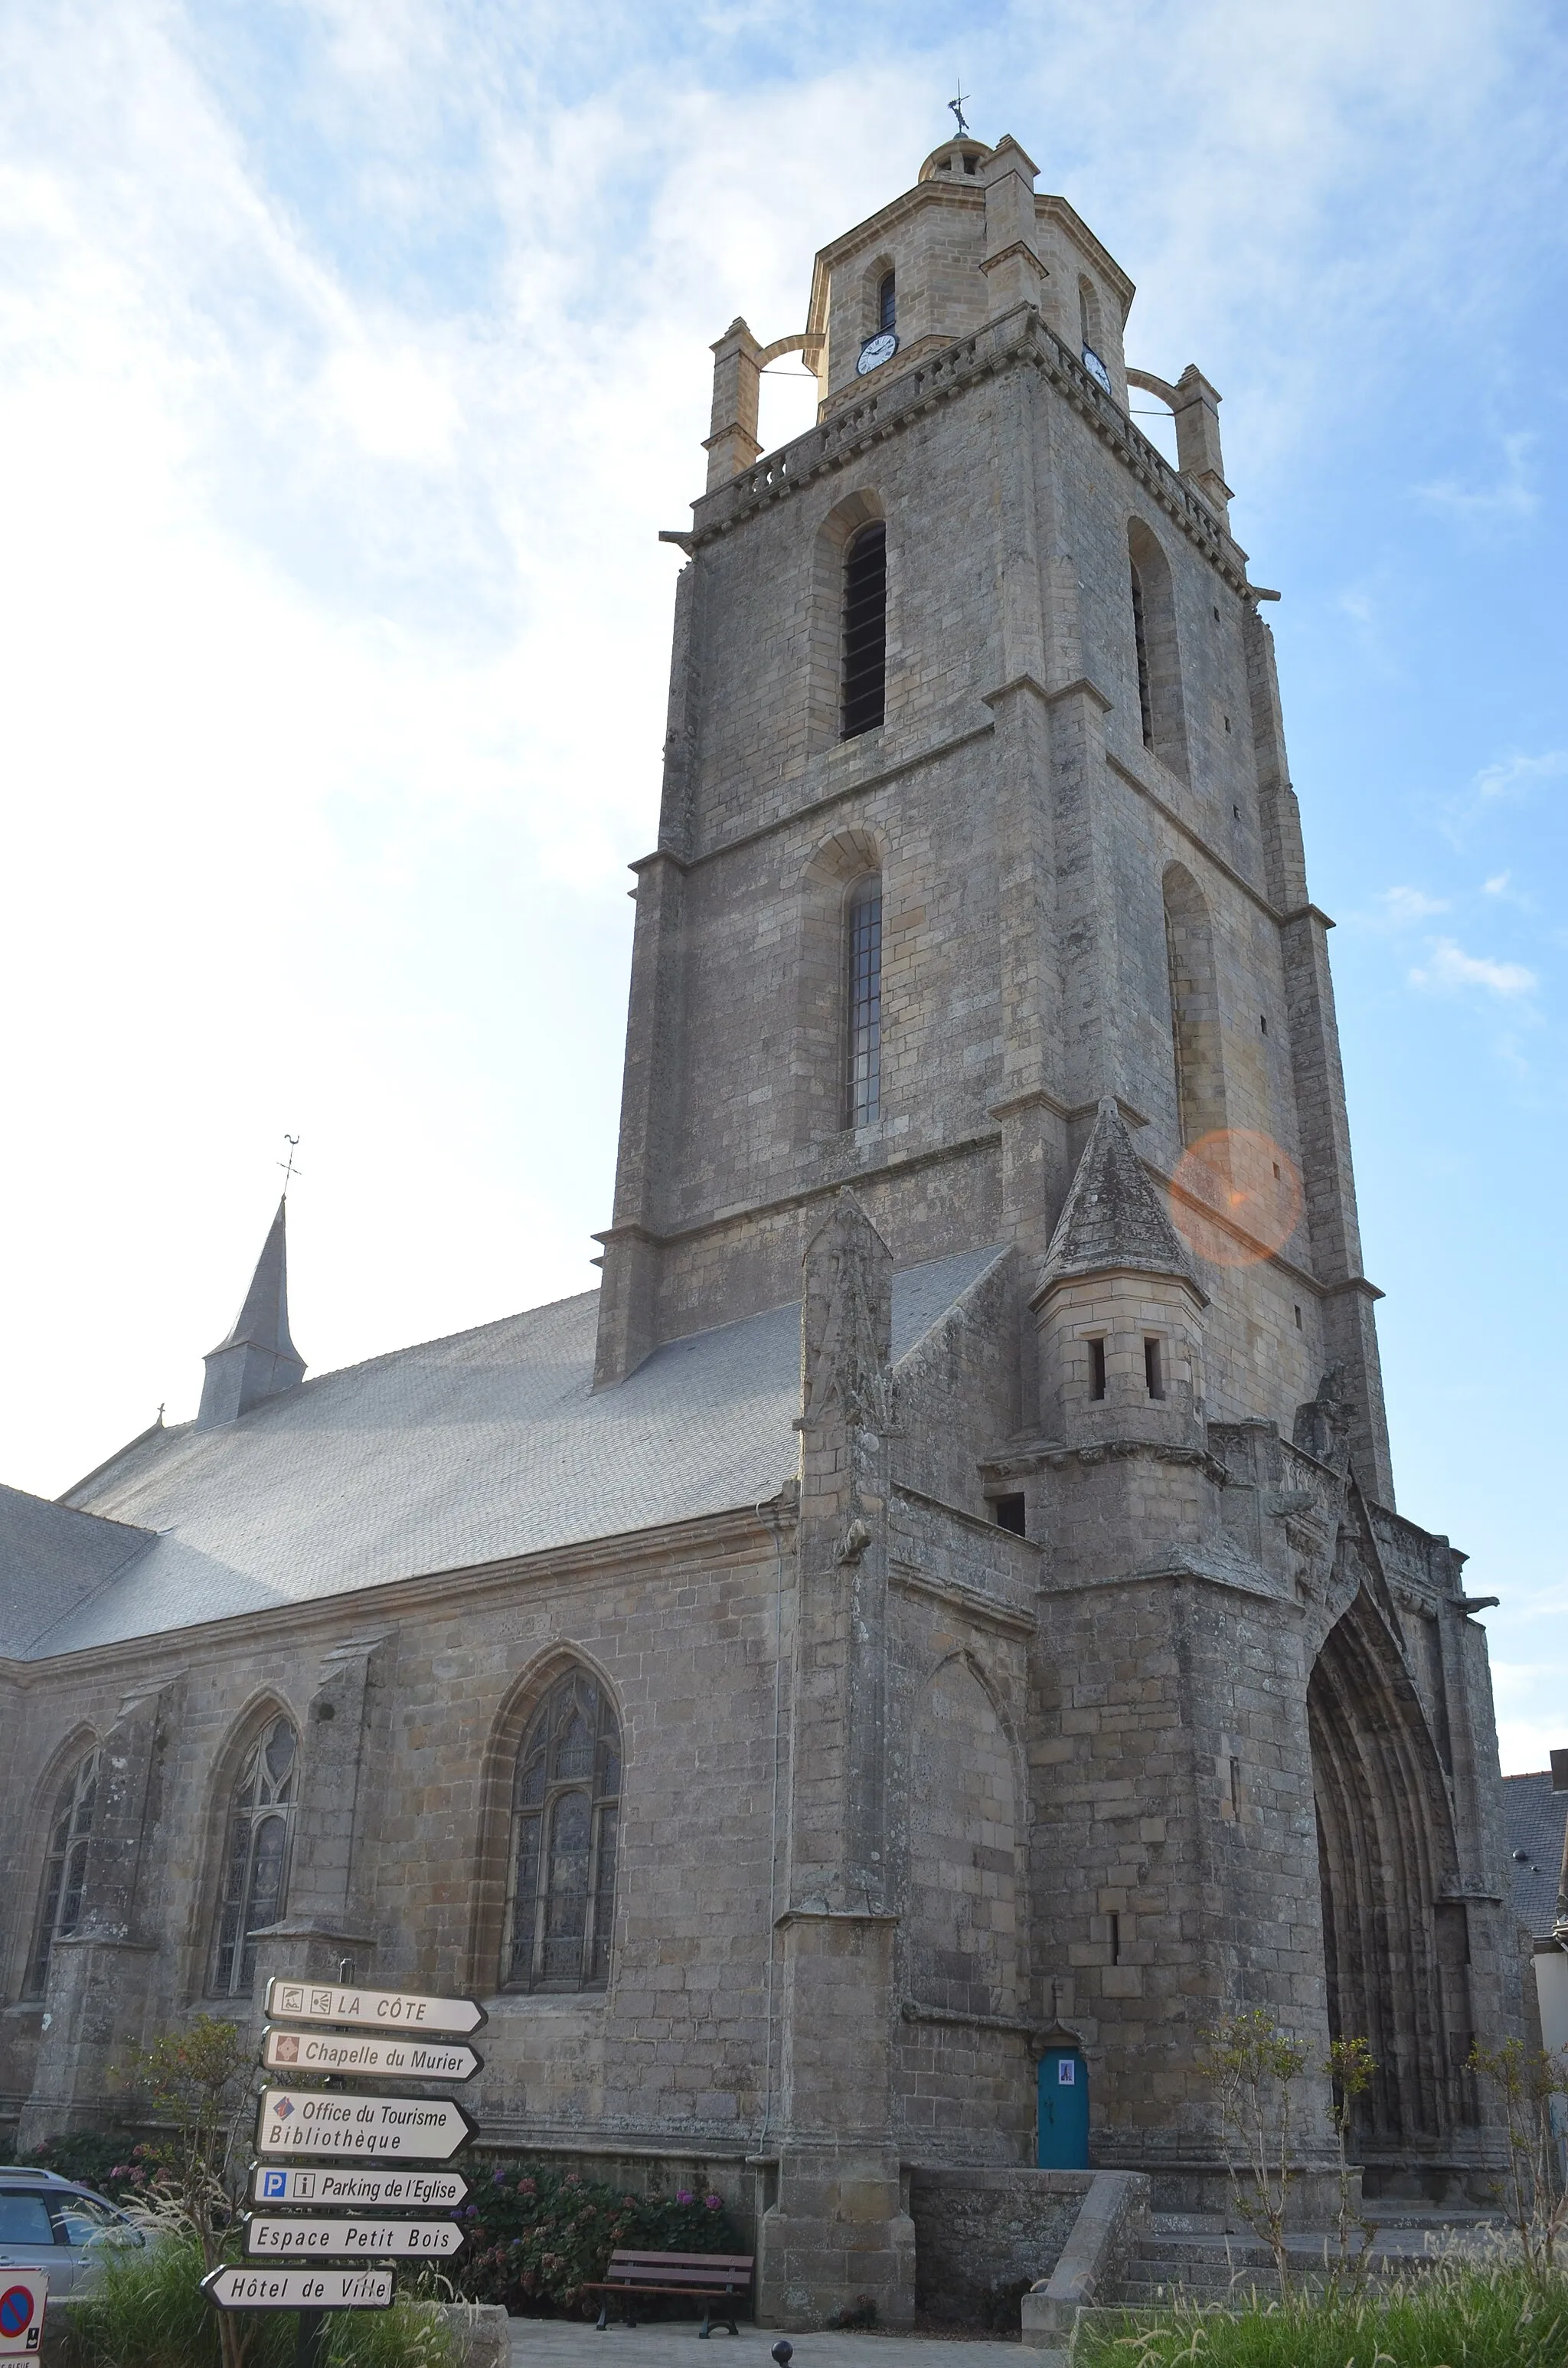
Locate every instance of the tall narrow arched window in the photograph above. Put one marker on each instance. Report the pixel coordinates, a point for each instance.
(65, 1870)
(1140, 638)
(864, 630)
(1161, 709)
(887, 304)
(1195, 1007)
(255, 1855)
(865, 1000)
(565, 1816)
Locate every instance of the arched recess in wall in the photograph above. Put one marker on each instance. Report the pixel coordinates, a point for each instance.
(965, 1911)
(1195, 1047)
(60, 1825)
(1155, 648)
(843, 867)
(878, 298)
(249, 1836)
(544, 1894)
(1396, 1950)
(830, 549)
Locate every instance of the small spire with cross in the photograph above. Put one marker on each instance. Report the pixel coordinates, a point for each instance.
(957, 107)
(290, 1170)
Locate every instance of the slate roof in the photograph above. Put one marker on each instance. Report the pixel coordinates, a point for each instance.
(460, 1452)
(1112, 1216)
(1535, 1817)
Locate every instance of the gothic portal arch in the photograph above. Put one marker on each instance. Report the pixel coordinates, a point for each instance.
(965, 1879)
(1395, 1946)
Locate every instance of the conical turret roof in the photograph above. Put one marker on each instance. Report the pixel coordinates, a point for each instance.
(1113, 1218)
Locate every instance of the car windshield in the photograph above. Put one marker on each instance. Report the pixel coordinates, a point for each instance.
(24, 2220)
(82, 2216)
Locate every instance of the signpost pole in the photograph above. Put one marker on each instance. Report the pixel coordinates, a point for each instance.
(309, 2349)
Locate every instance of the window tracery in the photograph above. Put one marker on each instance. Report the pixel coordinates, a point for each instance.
(255, 1855)
(65, 1869)
(565, 1817)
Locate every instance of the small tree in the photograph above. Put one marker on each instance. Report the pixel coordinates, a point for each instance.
(1252, 2064)
(199, 2079)
(1349, 2064)
(1529, 2085)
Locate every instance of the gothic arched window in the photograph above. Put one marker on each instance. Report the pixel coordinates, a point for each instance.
(887, 304)
(864, 952)
(864, 630)
(65, 1869)
(1160, 707)
(565, 1812)
(1195, 1007)
(255, 1855)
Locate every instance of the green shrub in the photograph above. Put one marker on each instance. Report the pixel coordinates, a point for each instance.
(148, 2311)
(538, 2235)
(1479, 2318)
(95, 2158)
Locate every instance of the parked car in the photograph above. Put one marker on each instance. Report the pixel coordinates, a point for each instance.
(49, 2223)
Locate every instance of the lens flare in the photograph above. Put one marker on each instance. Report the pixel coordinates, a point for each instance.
(1236, 1197)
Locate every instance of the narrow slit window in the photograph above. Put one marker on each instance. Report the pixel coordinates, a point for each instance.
(864, 630)
(866, 1001)
(1140, 637)
(887, 304)
(1010, 1514)
(1153, 1369)
(1115, 1938)
(1096, 1368)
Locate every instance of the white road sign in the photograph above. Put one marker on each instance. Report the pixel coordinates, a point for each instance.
(357, 2190)
(298, 2289)
(23, 2293)
(320, 2121)
(342, 2240)
(367, 2058)
(371, 2009)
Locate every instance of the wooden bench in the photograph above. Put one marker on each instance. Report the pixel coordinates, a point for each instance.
(713, 2278)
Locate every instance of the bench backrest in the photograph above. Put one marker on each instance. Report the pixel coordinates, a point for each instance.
(718, 2270)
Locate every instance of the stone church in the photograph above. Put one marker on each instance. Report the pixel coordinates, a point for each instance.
(945, 1589)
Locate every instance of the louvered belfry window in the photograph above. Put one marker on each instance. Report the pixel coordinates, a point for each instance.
(866, 1001)
(566, 1815)
(865, 629)
(255, 1858)
(1141, 642)
(65, 1876)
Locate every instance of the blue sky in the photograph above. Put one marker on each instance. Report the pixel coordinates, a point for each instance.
(351, 356)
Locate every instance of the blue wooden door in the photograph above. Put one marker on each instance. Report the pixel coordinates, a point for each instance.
(1063, 2135)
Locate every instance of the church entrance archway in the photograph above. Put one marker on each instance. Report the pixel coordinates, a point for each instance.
(1395, 1945)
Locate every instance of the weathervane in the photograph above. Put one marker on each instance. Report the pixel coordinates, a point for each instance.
(957, 107)
(290, 1170)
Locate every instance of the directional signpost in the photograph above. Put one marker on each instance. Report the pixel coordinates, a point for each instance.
(309, 2292)
(339, 2051)
(368, 2191)
(372, 2009)
(323, 2120)
(361, 2207)
(426, 2240)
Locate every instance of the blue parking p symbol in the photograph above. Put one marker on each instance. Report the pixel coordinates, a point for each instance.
(274, 2183)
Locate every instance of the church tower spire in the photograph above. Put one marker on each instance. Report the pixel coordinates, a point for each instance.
(259, 1360)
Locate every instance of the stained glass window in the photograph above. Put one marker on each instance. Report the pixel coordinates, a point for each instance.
(256, 1856)
(565, 1800)
(65, 1870)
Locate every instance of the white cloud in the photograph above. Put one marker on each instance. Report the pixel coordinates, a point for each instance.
(1508, 502)
(1514, 777)
(1450, 969)
(1497, 886)
(1402, 907)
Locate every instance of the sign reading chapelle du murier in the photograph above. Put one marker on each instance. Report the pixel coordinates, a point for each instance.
(371, 2009)
(380, 2058)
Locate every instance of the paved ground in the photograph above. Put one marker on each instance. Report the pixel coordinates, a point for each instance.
(561, 2343)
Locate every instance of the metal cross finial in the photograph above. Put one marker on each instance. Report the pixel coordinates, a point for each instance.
(957, 107)
(290, 1170)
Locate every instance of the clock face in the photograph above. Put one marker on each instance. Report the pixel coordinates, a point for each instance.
(1096, 369)
(876, 351)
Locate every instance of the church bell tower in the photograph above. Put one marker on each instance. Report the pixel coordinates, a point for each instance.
(978, 923)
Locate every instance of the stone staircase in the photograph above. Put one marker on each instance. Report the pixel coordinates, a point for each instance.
(1189, 2256)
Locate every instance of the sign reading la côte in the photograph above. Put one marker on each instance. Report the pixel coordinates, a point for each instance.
(371, 2009)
